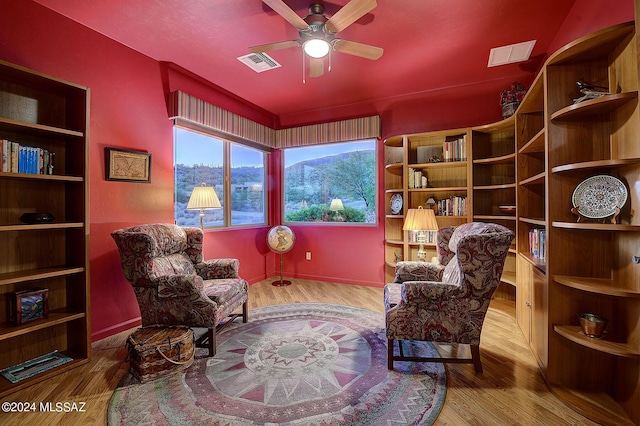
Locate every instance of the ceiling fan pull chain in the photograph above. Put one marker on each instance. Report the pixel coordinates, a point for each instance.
(330, 60)
(303, 73)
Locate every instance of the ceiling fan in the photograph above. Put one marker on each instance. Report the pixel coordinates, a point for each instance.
(317, 33)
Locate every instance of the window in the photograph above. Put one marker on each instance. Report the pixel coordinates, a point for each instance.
(201, 158)
(315, 176)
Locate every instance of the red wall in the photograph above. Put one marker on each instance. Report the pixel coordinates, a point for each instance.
(587, 16)
(128, 110)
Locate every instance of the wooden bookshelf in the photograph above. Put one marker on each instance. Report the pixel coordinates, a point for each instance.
(44, 112)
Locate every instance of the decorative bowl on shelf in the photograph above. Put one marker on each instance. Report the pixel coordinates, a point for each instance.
(38, 217)
(508, 209)
(592, 325)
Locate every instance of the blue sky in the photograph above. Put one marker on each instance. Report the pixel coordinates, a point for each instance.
(295, 155)
(193, 145)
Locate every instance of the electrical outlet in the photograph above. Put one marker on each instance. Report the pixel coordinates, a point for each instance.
(308, 255)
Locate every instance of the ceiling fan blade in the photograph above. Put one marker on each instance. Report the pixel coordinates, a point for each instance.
(316, 67)
(287, 13)
(349, 13)
(274, 46)
(358, 49)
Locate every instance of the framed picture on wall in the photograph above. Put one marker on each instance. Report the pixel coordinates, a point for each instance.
(127, 165)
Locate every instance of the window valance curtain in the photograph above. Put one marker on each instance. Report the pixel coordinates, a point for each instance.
(183, 106)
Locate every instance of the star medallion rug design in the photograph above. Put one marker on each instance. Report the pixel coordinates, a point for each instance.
(298, 364)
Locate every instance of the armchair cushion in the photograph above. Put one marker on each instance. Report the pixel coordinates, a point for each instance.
(174, 285)
(222, 291)
(417, 271)
(218, 269)
(171, 264)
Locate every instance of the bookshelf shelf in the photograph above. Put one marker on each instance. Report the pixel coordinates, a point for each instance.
(598, 406)
(504, 159)
(8, 331)
(37, 274)
(43, 226)
(602, 105)
(490, 187)
(538, 179)
(440, 189)
(575, 334)
(594, 165)
(37, 129)
(603, 286)
(535, 145)
(596, 226)
(396, 169)
(59, 178)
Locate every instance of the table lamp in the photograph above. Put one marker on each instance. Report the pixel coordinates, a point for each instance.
(336, 206)
(203, 197)
(420, 220)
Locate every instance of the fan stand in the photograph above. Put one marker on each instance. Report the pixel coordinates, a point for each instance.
(282, 282)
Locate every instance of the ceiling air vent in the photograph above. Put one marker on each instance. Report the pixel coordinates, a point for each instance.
(509, 54)
(259, 62)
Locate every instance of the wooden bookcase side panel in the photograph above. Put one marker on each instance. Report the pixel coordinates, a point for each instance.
(533, 102)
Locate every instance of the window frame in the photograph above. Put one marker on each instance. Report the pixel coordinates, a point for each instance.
(376, 220)
(227, 141)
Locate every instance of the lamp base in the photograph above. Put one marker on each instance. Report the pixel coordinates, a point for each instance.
(281, 283)
(422, 254)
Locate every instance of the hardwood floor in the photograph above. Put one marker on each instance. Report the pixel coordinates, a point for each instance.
(509, 392)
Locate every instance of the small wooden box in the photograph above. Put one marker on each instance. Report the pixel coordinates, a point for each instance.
(28, 305)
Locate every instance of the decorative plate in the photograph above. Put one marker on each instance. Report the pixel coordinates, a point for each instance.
(598, 196)
(396, 203)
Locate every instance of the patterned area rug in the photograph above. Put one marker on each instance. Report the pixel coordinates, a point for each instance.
(298, 364)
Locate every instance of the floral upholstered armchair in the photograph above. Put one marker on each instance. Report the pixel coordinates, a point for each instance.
(447, 303)
(174, 285)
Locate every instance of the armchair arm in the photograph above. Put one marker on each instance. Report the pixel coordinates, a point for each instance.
(418, 271)
(170, 286)
(428, 291)
(218, 268)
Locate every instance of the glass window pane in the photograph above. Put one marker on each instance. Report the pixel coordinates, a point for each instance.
(315, 176)
(247, 186)
(198, 159)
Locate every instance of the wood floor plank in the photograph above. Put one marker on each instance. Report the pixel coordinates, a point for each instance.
(509, 392)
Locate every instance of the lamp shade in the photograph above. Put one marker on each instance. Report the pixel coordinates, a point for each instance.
(203, 197)
(336, 205)
(420, 220)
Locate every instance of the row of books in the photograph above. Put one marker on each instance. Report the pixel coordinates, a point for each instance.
(455, 150)
(18, 158)
(429, 237)
(537, 244)
(452, 206)
(417, 178)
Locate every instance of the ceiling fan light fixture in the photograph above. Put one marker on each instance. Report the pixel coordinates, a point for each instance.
(316, 48)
